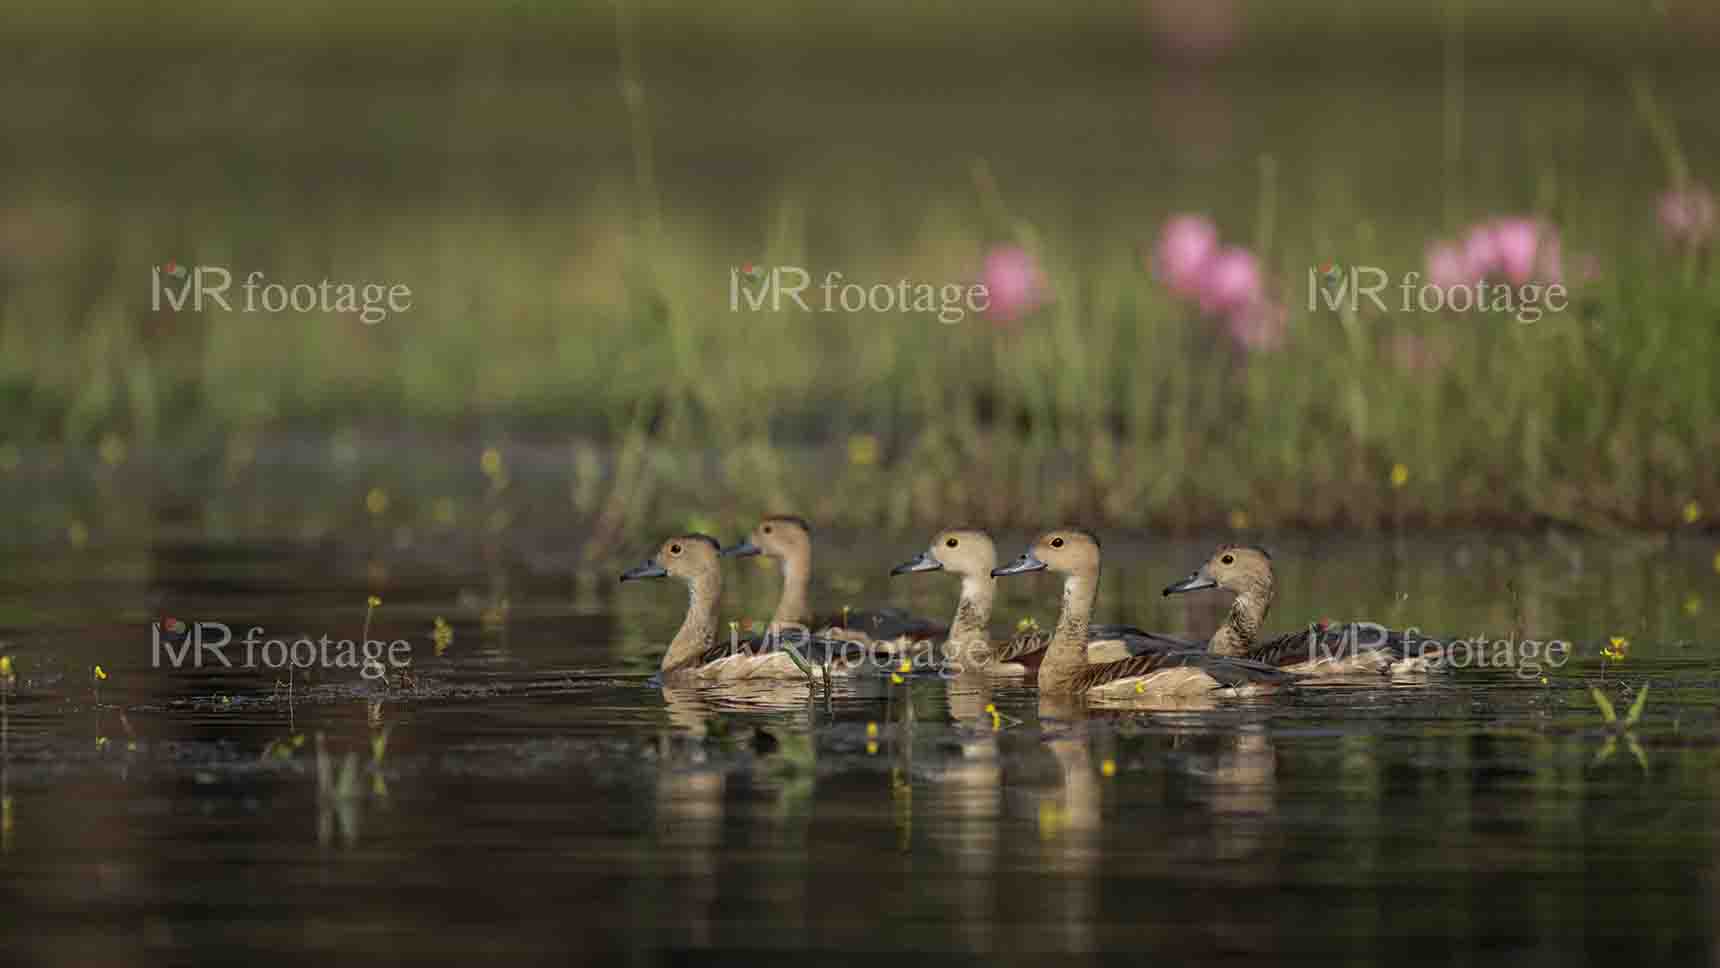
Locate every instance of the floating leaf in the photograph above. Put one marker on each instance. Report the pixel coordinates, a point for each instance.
(1605, 704)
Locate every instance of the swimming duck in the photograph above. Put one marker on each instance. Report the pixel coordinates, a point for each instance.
(788, 540)
(971, 554)
(1323, 650)
(1159, 674)
(696, 652)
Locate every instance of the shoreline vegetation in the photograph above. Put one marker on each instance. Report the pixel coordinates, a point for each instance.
(569, 208)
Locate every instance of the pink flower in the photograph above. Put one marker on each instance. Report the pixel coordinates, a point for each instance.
(1516, 249)
(1186, 244)
(1481, 252)
(1687, 214)
(1447, 267)
(1517, 243)
(1230, 281)
(1012, 278)
(1258, 326)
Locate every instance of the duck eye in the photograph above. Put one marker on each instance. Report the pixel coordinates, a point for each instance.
(951, 543)
(1056, 542)
(765, 529)
(675, 549)
(1228, 559)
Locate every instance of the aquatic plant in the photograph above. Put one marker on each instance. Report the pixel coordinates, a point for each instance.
(339, 794)
(1621, 729)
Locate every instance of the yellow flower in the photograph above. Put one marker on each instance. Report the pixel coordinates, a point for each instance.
(1692, 513)
(996, 718)
(863, 450)
(1028, 624)
(112, 450)
(1400, 475)
(376, 502)
(442, 634)
(906, 667)
(1692, 605)
(1238, 520)
(871, 748)
(374, 601)
(101, 674)
(897, 678)
(1108, 767)
(871, 730)
(491, 462)
(1616, 648)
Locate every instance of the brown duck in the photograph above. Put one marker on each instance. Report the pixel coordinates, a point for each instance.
(1155, 675)
(787, 540)
(697, 652)
(1319, 650)
(971, 554)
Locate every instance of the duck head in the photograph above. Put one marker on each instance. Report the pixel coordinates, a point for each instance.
(964, 551)
(780, 536)
(1242, 569)
(1067, 551)
(687, 557)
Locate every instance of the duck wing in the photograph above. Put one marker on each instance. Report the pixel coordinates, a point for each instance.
(1140, 642)
(1317, 642)
(1227, 672)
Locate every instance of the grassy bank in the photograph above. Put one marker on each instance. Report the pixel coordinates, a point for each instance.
(569, 248)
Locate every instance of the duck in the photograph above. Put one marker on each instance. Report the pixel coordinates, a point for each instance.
(971, 554)
(1160, 674)
(1354, 648)
(696, 653)
(787, 539)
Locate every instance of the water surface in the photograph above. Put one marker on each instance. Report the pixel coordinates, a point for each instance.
(538, 795)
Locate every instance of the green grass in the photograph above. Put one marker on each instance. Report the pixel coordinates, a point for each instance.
(569, 254)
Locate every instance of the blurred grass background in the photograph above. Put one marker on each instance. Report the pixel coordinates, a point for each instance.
(566, 188)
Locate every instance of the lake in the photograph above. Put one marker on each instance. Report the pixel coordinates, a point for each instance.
(529, 790)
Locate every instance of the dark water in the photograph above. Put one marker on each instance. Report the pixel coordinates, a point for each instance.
(537, 797)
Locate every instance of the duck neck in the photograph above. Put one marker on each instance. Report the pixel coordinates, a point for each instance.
(1067, 654)
(699, 629)
(1241, 626)
(972, 622)
(792, 608)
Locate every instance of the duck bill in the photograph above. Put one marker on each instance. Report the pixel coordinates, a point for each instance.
(649, 569)
(746, 549)
(1019, 566)
(922, 562)
(1192, 583)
